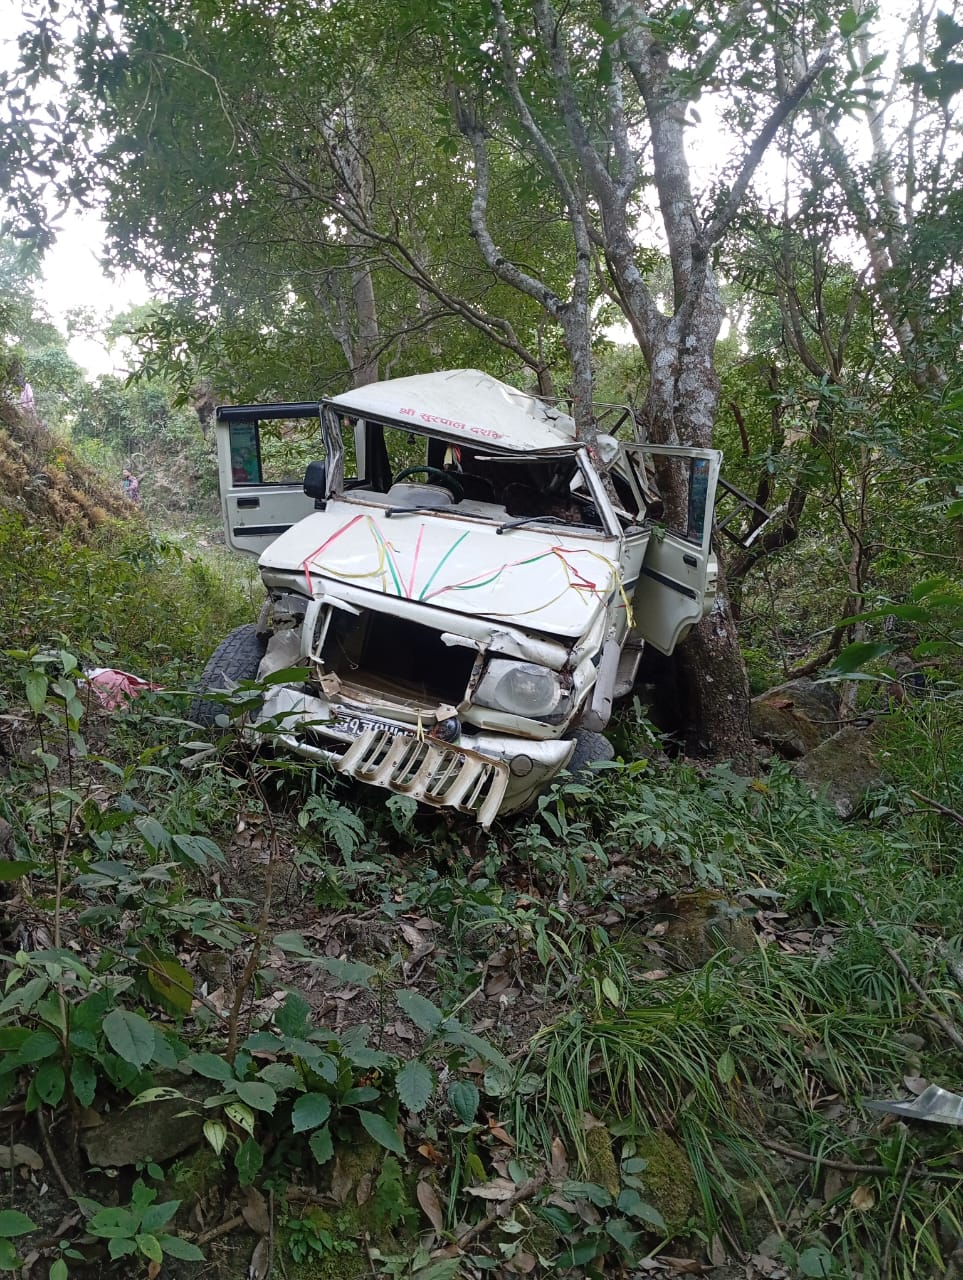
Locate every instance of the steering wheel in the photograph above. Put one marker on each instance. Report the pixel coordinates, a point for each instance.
(444, 478)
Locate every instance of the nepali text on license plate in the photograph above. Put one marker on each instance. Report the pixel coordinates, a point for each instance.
(357, 725)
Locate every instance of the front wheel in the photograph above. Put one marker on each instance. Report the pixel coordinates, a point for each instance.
(235, 659)
(589, 748)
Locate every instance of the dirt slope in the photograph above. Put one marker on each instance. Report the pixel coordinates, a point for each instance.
(42, 477)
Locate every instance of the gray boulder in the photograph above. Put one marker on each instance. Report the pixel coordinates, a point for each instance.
(795, 717)
(846, 766)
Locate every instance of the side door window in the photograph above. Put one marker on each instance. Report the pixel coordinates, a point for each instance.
(262, 456)
(676, 582)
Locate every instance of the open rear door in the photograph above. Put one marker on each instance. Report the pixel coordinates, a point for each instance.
(676, 583)
(262, 453)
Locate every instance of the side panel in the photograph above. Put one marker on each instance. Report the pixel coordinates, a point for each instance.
(255, 511)
(676, 582)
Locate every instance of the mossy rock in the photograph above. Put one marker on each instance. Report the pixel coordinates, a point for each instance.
(669, 1184)
(343, 1226)
(196, 1175)
(703, 923)
(600, 1164)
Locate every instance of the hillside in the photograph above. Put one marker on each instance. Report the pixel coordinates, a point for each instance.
(42, 478)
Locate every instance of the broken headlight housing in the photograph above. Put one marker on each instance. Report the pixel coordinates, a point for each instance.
(521, 689)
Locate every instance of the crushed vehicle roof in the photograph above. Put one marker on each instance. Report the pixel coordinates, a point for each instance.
(466, 405)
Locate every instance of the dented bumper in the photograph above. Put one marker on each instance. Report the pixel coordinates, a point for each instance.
(483, 774)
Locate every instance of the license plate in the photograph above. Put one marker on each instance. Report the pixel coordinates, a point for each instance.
(357, 725)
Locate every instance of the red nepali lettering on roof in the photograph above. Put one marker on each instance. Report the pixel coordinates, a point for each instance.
(488, 432)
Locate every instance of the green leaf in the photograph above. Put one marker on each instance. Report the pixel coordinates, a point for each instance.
(215, 1131)
(857, 655)
(114, 1223)
(257, 1094)
(35, 684)
(353, 971)
(15, 1223)
(156, 837)
(443, 1269)
(622, 1233)
(130, 1036)
(485, 1050)
(83, 1080)
(241, 1115)
(39, 1046)
(310, 1112)
(464, 1099)
(149, 1246)
(14, 870)
(360, 1093)
(631, 1202)
(158, 1215)
(58, 1270)
(197, 849)
(281, 1075)
(210, 1066)
(415, 1084)
(815, 1262)
(248, 1160)
(292, 1017)
(49, 1083)
(726, 1067)
(9, 1261)
(293, 944)
(172, 982)
(322, 1148)
(384, 1133)
(848, 22)
(175, 1247)
(421, 1011)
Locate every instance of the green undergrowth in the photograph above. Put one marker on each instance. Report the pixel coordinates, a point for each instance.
(652, 1011)
(124, 596)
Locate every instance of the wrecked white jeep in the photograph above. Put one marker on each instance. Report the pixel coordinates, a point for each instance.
(460, 594)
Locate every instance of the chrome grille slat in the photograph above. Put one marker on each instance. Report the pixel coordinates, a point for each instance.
(432, 771)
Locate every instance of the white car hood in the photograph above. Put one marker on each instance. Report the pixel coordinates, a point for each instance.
(544, 581)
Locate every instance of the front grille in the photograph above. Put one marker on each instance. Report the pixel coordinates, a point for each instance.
(428, 769)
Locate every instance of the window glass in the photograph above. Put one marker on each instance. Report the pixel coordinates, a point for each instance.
(274, 451)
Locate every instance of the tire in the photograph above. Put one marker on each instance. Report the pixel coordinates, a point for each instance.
(589, 747)
(236, 658)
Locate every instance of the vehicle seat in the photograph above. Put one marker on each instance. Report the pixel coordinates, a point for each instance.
(407, 494)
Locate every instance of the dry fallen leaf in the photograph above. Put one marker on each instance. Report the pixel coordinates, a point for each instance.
(260, 1263)
(559, 1160)
(862, 1199)
(255, 1213)
(522, 1263)
(498, 1132)
(654, 975)
(430, 1204)
(496, 1189)
(153, 1269)
(340, 1182)
(18, 1155)
(431, 1153)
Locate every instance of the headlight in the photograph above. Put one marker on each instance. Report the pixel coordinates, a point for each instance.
(521, 688)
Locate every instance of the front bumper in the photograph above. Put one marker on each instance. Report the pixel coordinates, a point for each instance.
(483, 774)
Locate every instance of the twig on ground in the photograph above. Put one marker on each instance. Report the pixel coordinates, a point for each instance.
(524, 1192)
(946, 1026)
(887, 1252)
(222, 1229)
(54, 1162)
(850, 1166)
(940, 808)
